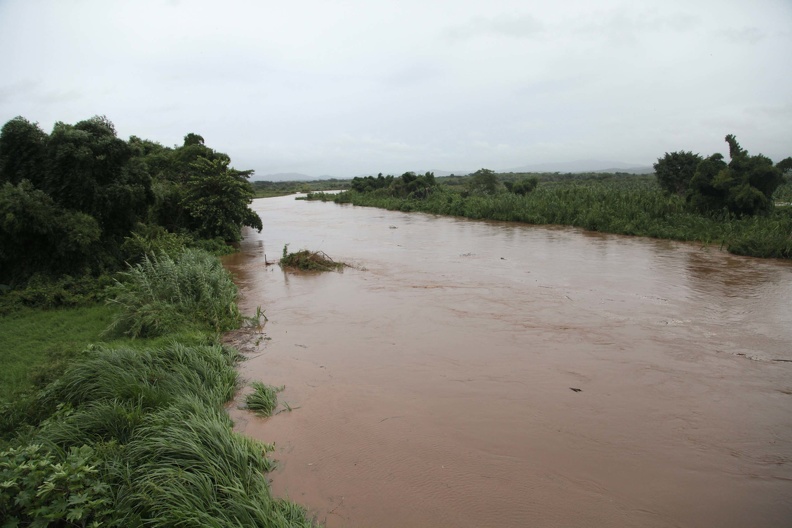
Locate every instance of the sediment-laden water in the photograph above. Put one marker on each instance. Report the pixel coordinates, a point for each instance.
(469, 373)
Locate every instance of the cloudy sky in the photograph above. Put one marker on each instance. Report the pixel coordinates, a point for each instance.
(343, 88)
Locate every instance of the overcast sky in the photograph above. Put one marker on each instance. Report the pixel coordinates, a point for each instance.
(344, 88)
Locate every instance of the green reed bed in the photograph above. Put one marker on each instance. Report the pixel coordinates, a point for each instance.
(627, 208)
(134, 433)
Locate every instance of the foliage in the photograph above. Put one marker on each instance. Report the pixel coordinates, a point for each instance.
(744, 186)
(92, 171)
(264, 398)
(38, 488)
(675, 170)
(630, 205)
(157, 438)
(163, 293)
(152, 240)
(38, 236)
(483, 181)
(785, 166)
(73, 201)
(305, 260)
(522, 186)
(217, 197)
(22, 152)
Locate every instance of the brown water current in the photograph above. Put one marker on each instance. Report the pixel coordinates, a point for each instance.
(432, 383)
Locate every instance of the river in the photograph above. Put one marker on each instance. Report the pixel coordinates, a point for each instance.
(468, 373)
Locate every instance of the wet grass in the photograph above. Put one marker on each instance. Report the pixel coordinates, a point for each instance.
(264, 398)
(127, 432)
(305, 260)
(628, 207)
(36, 345)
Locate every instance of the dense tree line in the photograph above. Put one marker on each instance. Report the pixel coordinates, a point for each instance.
(744, 186)
(70, 199)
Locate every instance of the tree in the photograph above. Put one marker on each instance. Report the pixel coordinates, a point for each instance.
(785, 166)
(38, 236)
(524, 186)
(22, 152)
(216, 197)
(483, 181)
(744, 186)
(675, 170)
(93, 171)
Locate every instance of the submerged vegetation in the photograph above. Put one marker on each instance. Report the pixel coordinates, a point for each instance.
(264, 398)
(305, 260)
(615, 203)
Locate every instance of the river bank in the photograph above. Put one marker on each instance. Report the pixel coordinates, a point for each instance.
(635, 208)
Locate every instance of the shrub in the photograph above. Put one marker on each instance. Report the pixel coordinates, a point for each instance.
(163, 293)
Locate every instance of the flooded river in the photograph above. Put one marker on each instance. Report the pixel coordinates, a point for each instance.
(468, 373)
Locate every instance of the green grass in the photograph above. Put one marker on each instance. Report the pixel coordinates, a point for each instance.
(623, 206)
(264, 398)
(129, 432)
(162, 294)
(35, 345)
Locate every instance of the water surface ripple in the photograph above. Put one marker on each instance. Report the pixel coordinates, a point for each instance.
(432, 383)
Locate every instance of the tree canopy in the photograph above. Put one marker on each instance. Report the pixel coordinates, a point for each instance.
(675, 170)
(744, 186)
(69, 199)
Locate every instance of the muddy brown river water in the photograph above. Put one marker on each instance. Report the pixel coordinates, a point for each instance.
(432, 384)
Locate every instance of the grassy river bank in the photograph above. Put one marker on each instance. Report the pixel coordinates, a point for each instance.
(628, 205)
(113, 413)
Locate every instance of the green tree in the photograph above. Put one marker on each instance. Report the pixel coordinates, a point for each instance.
(524, 186)
(93, 171)
(483, 181)
(216, 198)
(675, 170)
(22, 152)
(38, 236)
(744, 186)
(785, 166)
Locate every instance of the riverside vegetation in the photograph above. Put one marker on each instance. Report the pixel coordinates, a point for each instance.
(732, 206)
(111, 311)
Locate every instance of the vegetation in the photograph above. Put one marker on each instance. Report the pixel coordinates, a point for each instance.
(675, 170)
(69, 200)
(743, 187)
(613, 203)
(134, 433)
(305, 260)
(113, 413)
(264, 398)
(267, 189)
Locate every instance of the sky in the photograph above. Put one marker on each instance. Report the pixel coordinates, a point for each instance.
(346, 88)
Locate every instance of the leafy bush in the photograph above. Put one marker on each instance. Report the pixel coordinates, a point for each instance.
(163, 293)
(38, 488)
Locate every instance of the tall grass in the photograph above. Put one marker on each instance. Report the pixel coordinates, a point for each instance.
(160, 438)
(623, 207)
(134, 432)
(165, 293)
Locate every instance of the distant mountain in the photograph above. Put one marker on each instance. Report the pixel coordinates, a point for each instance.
(285, 176)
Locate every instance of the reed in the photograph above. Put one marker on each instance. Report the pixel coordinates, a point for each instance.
(164, 293)
(637, 208)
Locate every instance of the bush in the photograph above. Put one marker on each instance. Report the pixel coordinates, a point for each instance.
(163, 293)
